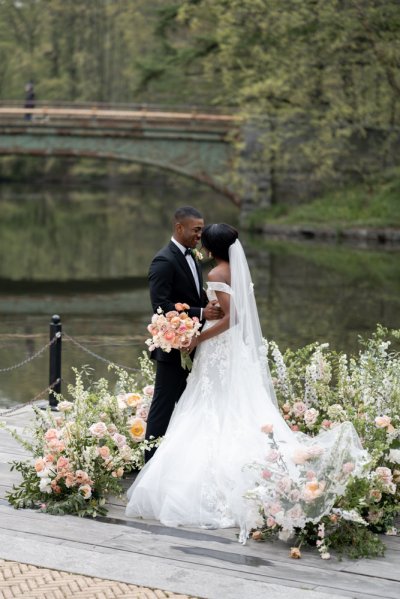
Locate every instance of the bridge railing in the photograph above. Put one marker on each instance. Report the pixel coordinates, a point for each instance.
(115, 112)
(135, 106)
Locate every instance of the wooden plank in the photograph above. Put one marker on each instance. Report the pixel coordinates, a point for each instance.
(274, 565)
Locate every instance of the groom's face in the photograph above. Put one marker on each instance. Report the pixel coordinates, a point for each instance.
(188, 231)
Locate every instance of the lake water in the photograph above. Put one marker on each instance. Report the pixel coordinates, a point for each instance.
(84, 254)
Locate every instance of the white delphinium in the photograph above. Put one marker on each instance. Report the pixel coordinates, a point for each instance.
(281, 370)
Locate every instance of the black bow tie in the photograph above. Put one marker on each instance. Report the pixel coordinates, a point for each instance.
(188, 252)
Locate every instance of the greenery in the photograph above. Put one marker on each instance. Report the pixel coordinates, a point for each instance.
(318, 389)
(320, 80)
(374, 203)
(82, 452)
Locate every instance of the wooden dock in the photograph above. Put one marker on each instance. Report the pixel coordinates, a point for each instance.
(201, 563)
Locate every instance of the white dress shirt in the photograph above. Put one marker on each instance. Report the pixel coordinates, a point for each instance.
(190, 260)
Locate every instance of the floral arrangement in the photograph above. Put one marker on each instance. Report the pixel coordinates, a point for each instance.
(81, 453)
(173, 330)
(197, 254)
(318, 389)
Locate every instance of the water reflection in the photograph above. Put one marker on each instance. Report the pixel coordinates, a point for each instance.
(85, 256)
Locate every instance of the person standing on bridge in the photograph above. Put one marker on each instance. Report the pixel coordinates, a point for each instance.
(29, 99)
(175, 276)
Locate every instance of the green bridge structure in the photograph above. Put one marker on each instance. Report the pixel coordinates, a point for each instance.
(192, 143)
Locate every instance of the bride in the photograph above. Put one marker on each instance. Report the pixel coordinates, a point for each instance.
(212, 454)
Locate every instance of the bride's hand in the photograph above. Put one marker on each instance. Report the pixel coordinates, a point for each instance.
(193, 344)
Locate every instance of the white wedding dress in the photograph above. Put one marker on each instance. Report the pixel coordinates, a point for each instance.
(201, 472)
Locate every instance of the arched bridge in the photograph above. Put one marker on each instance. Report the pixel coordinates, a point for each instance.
(195, 144)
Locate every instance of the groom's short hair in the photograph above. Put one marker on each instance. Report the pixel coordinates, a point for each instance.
(186, 212)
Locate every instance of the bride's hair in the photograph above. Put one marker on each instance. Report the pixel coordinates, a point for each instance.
(218, 238)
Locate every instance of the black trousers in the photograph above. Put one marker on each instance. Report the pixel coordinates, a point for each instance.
(169, 386)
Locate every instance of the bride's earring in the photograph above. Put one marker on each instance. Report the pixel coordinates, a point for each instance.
(210, 255)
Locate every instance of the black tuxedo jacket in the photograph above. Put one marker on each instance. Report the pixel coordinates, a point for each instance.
(171, 281)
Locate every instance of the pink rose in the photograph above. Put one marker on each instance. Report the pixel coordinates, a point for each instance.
(266, 474)
(294, 427)
(271, 522)
(98, 430)
(299, 408)
(310, 416)
(273, 455)
(142, 412)
(275, 508)
(149, 390)
(326, 424)
(119, 440)
(348, 467)
(267, 429)
(51, 434)
(310, 474)
(384, 474)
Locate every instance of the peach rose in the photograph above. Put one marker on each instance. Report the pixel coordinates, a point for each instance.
(312, 490)
(132, 399)
(62, 462)
(137, 429)
(256, 535)
(382, 421)
(40, 465)
(295, 553)
(81, 476)
(51, 434)
(86, 491)
(69, 480)
(103, 451)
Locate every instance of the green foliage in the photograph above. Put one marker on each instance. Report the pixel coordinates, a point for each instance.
(374, 203)
(320, 78)
(318, 389)
(82, 451)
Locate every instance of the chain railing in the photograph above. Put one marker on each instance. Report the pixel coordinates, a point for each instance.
(94, 355)
(48, 389)
(54, 345)
(32, 357)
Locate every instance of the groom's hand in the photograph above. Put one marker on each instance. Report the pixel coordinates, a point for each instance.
(212, 311)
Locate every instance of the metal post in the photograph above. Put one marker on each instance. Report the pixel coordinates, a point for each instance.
(55, 360)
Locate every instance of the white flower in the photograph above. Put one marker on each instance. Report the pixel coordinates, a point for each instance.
(65, 406)
(325, 555)
(394, 456)
(285, 534)
(391, 531)
(351, 515)
(45, 486)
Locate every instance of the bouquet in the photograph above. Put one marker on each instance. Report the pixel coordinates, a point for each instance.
(173, 330)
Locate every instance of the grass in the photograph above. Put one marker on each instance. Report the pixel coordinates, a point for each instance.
(372, 204)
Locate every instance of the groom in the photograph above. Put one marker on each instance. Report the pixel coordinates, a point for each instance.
(175, 276)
